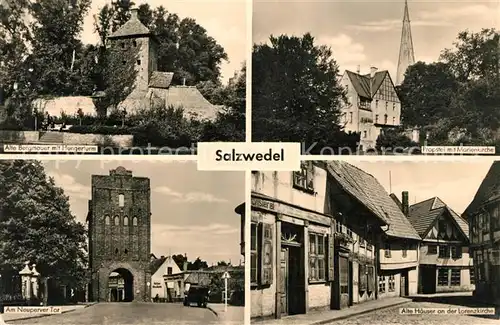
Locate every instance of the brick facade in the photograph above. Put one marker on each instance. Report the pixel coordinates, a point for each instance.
(120, 232)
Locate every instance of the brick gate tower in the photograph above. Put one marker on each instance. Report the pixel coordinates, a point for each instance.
(119, 229)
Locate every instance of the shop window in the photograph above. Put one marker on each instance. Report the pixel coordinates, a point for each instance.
(317, 260)
(344, 275)
(392, 283)
(443, 277)
(304, 179)
(455, 277)
(432, 250)
(371, 278)
(381, 284)
(363, 278)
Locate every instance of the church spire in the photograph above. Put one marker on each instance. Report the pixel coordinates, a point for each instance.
(406, 55)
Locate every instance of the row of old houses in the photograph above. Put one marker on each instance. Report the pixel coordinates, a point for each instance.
(330, 236)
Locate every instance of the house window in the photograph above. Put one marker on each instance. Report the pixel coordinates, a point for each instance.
(253, 254)
(138, 62)
(432, 250)
(134, 42)
(317, 260)
(443, 277)
(349, 233)
(125, 221)
(376, 103)
(107, 220)
(381, 284)
(385, 119)
(376, 119)
(365, 134)
(393, 106)
(486, 226)
(457, 252)
(472, 278)
(455, 277)
(123, 45)
(387, 250)
(169, 270)
(392, 283)
(124, 62)
(405, 250)
(338, 226)
(362, 242)
(444, 252)
(393, 120)
(386, 104)
(134, 221)
(121, 200)
(117, 221)
(350, 117)
(304, 179)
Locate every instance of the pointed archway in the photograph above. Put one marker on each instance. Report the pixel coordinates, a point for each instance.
(121, 286)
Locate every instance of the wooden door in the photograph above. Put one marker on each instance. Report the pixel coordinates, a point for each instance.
(284, 280)
(402, 285)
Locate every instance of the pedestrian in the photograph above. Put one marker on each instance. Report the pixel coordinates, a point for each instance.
(157, 298)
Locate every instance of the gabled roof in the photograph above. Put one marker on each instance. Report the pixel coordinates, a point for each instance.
(133, 27)
(395, 198)
(422, 216)
(369, 192)
(199, 278)
(160, 79)
(361, 83)
(488, 191)
(155, 264)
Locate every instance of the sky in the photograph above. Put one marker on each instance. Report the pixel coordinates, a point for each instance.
(368, 33)
(224, 20)
(456, 183)
(192, 211)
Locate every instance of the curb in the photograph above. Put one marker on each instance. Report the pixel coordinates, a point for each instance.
(45, 315)
(326, 321)
(213, 311)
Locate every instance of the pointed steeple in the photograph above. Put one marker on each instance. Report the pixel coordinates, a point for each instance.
(406, 55)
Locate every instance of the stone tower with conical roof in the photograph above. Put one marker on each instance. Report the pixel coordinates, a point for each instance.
(134, 34)
(406, 55)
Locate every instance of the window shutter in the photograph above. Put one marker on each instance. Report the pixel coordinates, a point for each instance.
(267, 255)
(330, 258)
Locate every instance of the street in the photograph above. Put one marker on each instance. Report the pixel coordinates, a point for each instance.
(129, 314)
(392, 316)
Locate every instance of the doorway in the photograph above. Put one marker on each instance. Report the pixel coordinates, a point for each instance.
(404, 285)
(121, 286)
(428, 278)
(292, 282)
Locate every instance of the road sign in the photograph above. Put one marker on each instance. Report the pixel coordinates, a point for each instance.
(226, 275)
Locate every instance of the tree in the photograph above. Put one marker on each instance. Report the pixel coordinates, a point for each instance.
(296, 95)
(56, 47)
(36, 224)
(475, 56)
(197, 264)
(222, 263)
(426, 94)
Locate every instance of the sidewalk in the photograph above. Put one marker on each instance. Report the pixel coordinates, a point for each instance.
(327, 316)
(12, 317)
(234, 314)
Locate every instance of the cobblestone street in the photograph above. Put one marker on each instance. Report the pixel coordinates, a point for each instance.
(392, 315)
(129, 314)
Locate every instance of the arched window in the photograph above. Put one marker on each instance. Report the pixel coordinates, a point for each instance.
(117, 221)
(126, 251)
(116, 250)
(107, 221)
(121, 200)
(125, 221)
(134, 221)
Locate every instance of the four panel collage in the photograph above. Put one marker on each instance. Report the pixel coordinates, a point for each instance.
(391, 214)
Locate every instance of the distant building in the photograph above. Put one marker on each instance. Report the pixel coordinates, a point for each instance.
(167, 279)
(373, 105)
(483, 214)
(445, 264)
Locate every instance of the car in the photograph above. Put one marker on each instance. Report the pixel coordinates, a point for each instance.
(197, 294)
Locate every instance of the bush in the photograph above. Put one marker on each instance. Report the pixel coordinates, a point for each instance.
(391, 139)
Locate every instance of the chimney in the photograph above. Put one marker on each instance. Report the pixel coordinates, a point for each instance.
(134, 13)
(185, 265)
(373, 70)
(162, 257)
(358, 69)
(404, 203)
